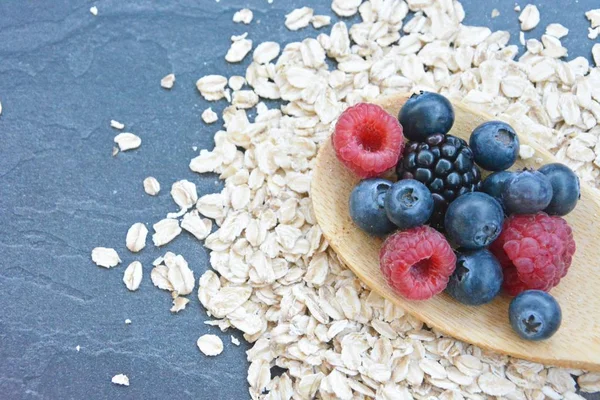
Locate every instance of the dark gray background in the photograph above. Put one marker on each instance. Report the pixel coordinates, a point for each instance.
(64, 74)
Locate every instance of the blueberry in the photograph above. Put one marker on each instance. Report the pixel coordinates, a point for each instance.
(534, 315)
(495, 145)
(408, 203)
(367, 206)
(477, 278)
(565, 188)
(494, 184)
(526, 192)
(474, 220)
(424, 114)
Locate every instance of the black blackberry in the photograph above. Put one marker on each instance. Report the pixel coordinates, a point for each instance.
(444, 163)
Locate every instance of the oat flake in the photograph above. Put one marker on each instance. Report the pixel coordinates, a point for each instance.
(127, 141)
(164, 231)
(151, 186)
(105, 257)
(168, 81)
(120, 379)
(116, 124)
(210, 345)
(530, 17)
(238, 50)
(209, 116)
(299, 18)
(319, 21)
(179, 304)
(136, 237)
(132, 277)
(244, 16)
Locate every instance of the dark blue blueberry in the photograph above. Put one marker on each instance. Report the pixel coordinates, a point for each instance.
(473, 220)
(424, 114)
(534, 315)
(367, 206)
(495, 145)
(477, 278)
(526, 192)
(494, 184)
(565, 188)
(408, 203)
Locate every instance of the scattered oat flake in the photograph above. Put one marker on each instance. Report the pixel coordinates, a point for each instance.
(94, 10)
(136, 237)
(105, 257)
(209, 116)
(159, 277)
(266, 52)
(210, 345)
(164, 231)
(127, 141)
(132, 277)
(120, 379)
(179, 304)
(116, 124)
(530, 17)
(127, 321)
(244, 16)
(199, 227)
(235, 340)
(319, 21)
(299, 18)
(557, 30)
(236, 82)
(594, 17)
(168, 81)
(180, 276)
(522, 38)
(212, 87)
(495, 13)
(184, 194)
(238, 50)
(78, 347)
(151, 186)
(517, 8)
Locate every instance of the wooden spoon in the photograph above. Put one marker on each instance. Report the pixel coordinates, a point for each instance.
(577, 342)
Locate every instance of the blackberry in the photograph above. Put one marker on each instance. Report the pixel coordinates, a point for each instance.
(444, 163)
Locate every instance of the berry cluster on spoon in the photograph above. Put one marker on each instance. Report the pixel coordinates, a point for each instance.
(447, 229)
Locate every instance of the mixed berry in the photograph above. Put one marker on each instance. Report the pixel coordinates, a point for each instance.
(449, 230)
(444, 164)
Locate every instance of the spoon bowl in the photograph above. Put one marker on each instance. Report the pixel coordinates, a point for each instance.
(577, 342)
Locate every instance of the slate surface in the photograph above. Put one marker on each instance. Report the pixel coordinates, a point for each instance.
(63, 75)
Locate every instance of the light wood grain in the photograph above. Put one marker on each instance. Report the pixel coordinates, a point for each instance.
(575, 345)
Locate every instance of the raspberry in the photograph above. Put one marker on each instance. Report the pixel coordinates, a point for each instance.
(535, 252)
(417, 262)
(368, 140)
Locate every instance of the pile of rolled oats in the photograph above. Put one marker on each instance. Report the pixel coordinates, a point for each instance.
(274, 277)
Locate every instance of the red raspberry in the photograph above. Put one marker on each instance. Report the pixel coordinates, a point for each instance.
(535, 252)
(417, 262)
(368, 140)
